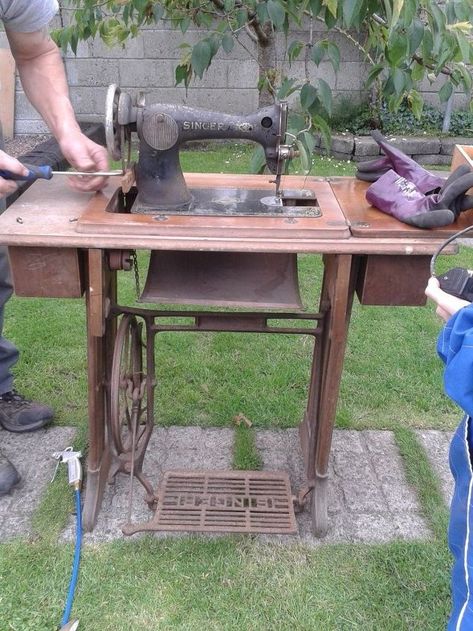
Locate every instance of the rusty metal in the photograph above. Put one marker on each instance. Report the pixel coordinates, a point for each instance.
(225, 279)
(120, 259)
(131, 412)
(222, 501)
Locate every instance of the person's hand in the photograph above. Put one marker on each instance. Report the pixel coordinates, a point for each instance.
(8, 163)
(85, 155)
(447, 305)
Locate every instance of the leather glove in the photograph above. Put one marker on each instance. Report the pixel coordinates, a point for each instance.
(401, 198)
(396, 160)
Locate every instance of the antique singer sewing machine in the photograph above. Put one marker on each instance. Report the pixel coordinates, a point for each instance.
(219, 241)
(244, 279)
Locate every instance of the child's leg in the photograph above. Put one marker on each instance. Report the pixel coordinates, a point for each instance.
(460, 532)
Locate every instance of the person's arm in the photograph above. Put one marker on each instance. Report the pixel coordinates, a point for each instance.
(455, 345)
(43, 78)
(447, 305)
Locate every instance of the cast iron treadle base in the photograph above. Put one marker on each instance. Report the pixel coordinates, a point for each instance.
(222, 501)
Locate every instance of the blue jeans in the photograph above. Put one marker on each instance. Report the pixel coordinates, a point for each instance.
(8, 351)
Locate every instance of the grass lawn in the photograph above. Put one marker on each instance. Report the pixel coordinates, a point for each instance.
(392, 379)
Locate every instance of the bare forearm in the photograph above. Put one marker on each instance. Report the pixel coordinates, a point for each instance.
(43, 78)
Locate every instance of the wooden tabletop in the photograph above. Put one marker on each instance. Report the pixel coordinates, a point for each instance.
(50, 214)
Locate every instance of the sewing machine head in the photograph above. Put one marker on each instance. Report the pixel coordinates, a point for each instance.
(162, 129)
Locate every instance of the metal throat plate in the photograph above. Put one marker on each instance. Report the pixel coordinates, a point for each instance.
(229, 202)
(222, 501)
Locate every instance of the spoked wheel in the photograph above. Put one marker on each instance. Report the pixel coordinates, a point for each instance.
(131, 413)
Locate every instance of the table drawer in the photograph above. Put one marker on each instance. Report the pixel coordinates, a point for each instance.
(47, 272)
(392, 280)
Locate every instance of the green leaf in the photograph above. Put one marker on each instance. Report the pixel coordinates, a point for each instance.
(397, 8)
(417, 72)
(276, 13)
(229, 5)
(465, 47)
(317, 53)
(182, 75)
(416, 103)
(333, 54)
(307, 96)
(201, 56)
(258, 160)
(329, 19)
(305, 158)
(396, 49)
(399, 81)
(262, 12)
(294, 50)
(427, 45)
(445, 92)
(228, 42)
(158, 11)
(184, 24)
(350, 10)
(241, 17)
(415, 36)
(409, 12)
(332, 6)
(320, 123)
(325, 96)
(309, 141)
(373, 73)
(288, 87)
(315, 6)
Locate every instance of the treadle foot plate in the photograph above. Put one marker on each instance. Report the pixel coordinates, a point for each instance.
(222, 501)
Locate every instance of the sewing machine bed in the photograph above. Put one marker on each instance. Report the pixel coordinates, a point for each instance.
(237, 205)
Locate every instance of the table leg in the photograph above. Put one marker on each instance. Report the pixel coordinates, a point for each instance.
(327, 365)
(100, 292)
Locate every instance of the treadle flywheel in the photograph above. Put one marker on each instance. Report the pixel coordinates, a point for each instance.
(222, 501)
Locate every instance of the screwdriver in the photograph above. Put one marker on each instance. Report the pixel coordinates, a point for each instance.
(46, 173)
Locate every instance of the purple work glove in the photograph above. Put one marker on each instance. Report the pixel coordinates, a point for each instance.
(403, 165)
(397, 196)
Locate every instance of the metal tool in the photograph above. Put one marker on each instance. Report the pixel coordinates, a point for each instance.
(44, 172)
(163, 128)
(70, 626)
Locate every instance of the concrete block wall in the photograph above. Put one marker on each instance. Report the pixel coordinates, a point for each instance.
(147, 64)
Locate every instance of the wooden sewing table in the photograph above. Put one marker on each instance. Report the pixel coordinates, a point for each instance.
(55, 251)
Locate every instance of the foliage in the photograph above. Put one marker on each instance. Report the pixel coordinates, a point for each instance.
(358, 119)
(403, 41)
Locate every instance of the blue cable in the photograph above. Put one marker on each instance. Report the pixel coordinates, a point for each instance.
(75, 566)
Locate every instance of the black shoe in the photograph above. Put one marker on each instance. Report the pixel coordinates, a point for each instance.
(17, 414)
(9, 476)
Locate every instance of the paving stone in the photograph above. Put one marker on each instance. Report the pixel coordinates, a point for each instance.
(172, 448)
(31, 453)
(369, 499)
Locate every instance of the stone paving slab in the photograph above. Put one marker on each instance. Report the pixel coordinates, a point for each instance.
(369, 498)
(31, 454)
(187, 448)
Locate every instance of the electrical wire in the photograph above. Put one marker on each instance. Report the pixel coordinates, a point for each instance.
(76, 563)
(444, 245)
